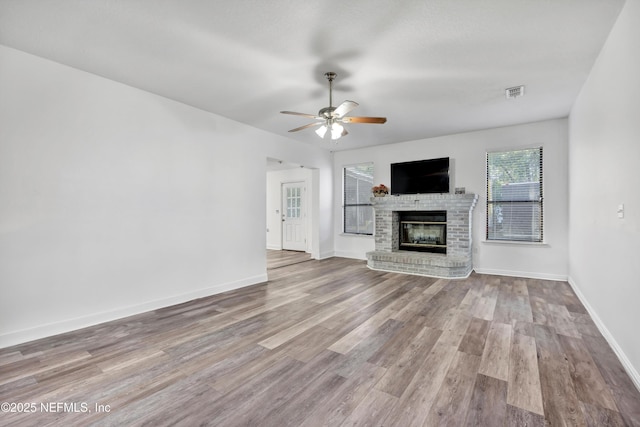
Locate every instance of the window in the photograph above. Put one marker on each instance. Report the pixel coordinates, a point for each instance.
(356, 197)
(514, 195)
(294, 202)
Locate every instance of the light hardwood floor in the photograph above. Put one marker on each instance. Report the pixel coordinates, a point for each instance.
(333, 343)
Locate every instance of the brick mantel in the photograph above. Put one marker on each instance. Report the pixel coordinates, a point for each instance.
(456, 263)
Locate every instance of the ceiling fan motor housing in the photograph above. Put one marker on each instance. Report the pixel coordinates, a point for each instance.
(327, 112)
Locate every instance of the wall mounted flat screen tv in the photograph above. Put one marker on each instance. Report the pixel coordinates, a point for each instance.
(419, 177)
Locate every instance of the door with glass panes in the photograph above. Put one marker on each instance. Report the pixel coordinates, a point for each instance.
(293, 217)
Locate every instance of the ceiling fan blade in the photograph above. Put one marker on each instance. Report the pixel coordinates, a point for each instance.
(311, 116)
(344, 108)
(306, 126)
(364, 120)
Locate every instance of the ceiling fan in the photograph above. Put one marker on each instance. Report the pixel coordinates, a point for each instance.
(331, 118)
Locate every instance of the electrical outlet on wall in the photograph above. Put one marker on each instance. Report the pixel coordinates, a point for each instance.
(621, 210)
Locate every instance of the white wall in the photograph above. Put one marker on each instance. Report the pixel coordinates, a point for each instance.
(116, 201)
(604, 147)
(467, 153)
(275, 179)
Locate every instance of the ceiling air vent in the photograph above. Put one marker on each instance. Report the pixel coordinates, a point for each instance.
(514, 92)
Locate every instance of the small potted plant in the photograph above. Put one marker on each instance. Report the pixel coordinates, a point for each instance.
(380, 190)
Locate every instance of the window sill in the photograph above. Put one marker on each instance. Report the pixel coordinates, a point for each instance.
(514, 243)
(356, 235)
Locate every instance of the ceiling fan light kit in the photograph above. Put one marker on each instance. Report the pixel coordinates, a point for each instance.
(331, 118)
(337, 131)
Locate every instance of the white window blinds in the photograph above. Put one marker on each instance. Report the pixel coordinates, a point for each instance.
(514, 195)
(357, 208)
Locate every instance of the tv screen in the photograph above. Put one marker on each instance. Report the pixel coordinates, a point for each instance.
(422, 176)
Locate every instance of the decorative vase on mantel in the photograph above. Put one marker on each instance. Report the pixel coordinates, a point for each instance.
(380, 190)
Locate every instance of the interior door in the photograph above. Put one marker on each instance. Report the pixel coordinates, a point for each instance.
(294, 237)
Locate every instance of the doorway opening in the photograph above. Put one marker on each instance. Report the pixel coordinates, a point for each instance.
(289, 213)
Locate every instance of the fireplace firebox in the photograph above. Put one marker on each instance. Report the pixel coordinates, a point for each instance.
(423, 231)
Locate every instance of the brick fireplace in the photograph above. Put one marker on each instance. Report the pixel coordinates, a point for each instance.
(439, 242)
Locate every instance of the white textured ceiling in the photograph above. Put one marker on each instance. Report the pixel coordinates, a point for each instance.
(432, 67)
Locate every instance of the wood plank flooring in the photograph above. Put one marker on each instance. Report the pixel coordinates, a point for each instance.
(277, 259)
(332, 343)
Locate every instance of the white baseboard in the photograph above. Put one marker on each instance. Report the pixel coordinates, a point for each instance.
(326, 255)
(628, 366)
(274, 247)
(351, 255)
(55, 328)
(525, 274)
